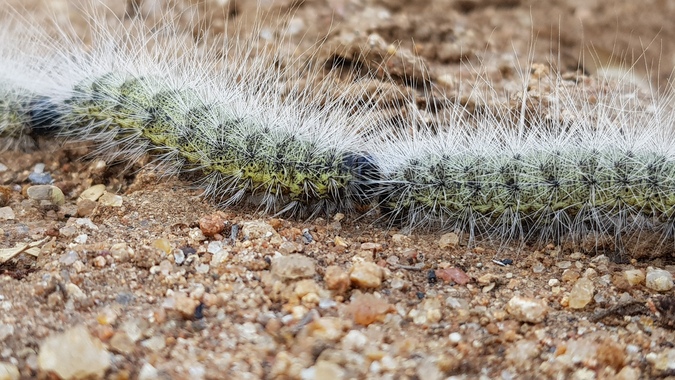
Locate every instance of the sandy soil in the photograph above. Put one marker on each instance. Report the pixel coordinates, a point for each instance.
(335, 297)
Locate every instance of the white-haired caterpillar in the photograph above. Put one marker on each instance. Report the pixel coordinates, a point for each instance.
(572, 166)
(230, 124)
(585, 159)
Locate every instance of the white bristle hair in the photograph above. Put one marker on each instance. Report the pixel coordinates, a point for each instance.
(561, 165)
(230, 122)
(567, 162)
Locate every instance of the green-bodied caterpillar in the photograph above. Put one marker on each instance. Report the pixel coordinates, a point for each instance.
(567, 167)
(577, 165)
(236, 129)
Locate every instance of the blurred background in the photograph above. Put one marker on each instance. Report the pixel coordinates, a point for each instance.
(444, 36)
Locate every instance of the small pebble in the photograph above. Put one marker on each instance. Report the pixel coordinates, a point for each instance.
(178, 256)
(124, 298)
(293, 267)
(203, 268)
(86, 222)
(69, 258)
(634, 276)
(234, 233)
(6, 213)
(212, 224)
(366, 309)
(74, 291)
(85, 207)
(428, 369)
(133, 328)
(156, 343)
(121, 252)
(107, 316)
(487, 278)
(111, 200)
(431, 309)
(336, 279)
(570, 275)
(449, 240)
(219, 257)
(39, 168)
(399, 283)
(196, 234)
(371, 247)
(399, 239)
(340, 243)
(40, 178)
(99, 262)
(185, 305)
(288, 247)
(46, 193)
(9, 371)
(659, 279)
(257, 230)
(73, 354)
(538, 268)
(628, 373)
(324, 370)
(576, 351)
(165, 267)
(522, 353)
(122, 344)
(581, 293)
(327, 329)
(664, 361)
(354, 340)
(163, 245)
(527, 309)
(307, 236)
(199, 311)
(583, 374)
(148, 372)
(326, 303)
(366, 275)
(214, 247)
(392, 260)
(93, 193)
(455, 275)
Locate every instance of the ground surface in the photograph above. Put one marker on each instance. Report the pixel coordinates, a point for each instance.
(159, 299)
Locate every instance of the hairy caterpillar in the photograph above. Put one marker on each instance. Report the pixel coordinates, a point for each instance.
(570, 165)
(235, 128)
(580, 165)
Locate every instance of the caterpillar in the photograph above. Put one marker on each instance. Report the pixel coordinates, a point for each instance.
(236, 129)
(567, 167)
